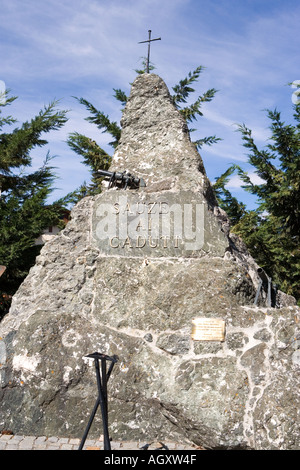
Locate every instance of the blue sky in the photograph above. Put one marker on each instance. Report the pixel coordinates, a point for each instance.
(60, 49)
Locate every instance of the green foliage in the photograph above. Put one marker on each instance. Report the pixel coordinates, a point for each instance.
(102, 122)
(94, 157)
(23, 210)
(182, 90)
(272, 231)
(279, 167)
(120, 96)
(144, 68)
(234, 209)
(190, 113)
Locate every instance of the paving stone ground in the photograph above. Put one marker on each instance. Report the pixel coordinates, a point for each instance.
(15, 442)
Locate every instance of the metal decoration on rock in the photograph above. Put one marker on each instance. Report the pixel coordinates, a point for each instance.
(124, 179)
(102, 395)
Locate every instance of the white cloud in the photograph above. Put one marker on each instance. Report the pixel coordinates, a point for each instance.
(235, 181)
(219, 118)
(223, 152)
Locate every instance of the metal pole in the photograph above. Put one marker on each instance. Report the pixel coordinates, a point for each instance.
(258, 292)
(265, 281)
(89, 425)
(102, 397)
(148, 58)
(269, 292)
(103, 402)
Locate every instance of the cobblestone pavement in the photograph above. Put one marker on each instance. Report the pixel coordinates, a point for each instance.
(14, 442)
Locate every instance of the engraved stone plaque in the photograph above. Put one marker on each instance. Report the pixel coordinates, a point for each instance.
(135, 224)
(208, 329)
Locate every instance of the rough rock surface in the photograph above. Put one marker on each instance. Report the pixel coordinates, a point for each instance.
(117, 295)
(155, 141)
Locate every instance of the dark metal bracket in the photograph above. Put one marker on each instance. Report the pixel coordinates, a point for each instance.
(122, 180)
(102, 379)
(266, 282)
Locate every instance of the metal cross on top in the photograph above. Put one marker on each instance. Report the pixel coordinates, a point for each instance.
(149, 41)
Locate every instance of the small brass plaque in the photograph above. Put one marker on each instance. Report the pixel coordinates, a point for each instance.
(208, 329)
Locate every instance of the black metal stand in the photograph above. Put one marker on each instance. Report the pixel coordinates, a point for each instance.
(265, 282)
(102, 396)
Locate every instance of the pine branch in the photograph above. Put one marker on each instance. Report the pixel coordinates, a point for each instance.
(102, 122)
(234, 209)
(120, 96)
(144, 64)
(15, 147)
(92, 154)
(182, 90)
(210, 140)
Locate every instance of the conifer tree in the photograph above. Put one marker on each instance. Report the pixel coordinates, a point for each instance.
(24, 212)
(272, 231)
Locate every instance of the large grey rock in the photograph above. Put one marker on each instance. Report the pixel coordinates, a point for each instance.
(97, 286)
(155, 142)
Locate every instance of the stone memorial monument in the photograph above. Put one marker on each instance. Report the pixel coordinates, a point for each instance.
(151, 274)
